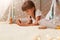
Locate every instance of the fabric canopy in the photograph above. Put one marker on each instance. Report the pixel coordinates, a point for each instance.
(51, 12)
(3, 6)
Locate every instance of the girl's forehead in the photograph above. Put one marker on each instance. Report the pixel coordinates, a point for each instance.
(30, 9)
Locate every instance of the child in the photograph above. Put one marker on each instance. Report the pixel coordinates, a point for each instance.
(33, 15)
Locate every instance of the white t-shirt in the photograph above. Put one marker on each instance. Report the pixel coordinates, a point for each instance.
(37, 13)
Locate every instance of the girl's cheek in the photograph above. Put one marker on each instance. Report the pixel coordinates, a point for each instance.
(31, 11)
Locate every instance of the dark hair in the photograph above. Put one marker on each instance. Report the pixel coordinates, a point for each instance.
(28, 5)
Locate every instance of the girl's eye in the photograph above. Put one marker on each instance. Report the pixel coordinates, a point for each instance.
(27, 11)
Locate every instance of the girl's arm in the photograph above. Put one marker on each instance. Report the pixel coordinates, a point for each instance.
(37, 19)
(28, 23)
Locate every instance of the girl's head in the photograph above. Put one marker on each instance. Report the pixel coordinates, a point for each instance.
(28, 7)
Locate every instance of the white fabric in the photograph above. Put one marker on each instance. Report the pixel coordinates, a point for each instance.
(4, 6)
(48, 23)
(24, 19)
(38, 13)
(48, 15)
(50, 11)
(15, 32)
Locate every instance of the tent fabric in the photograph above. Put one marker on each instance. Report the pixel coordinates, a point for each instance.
(14, 9)
(7, 7)
(3, 6)
(51, 11)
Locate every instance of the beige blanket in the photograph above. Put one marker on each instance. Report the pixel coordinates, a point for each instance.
(15, 32)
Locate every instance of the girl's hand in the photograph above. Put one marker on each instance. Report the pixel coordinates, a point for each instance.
(36, 23)
(11, 20)
(18, 21)
(37, 20)
(29, 22)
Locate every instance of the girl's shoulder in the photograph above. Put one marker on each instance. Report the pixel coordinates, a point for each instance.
(38, 12)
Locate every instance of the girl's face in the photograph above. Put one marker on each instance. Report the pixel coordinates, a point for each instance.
(30, 11)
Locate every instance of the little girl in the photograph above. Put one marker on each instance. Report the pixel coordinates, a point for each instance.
(33, 15)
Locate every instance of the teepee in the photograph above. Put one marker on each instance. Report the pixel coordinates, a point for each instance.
(51, 12)
(12, 8)
(7, 9)
(4, 9)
